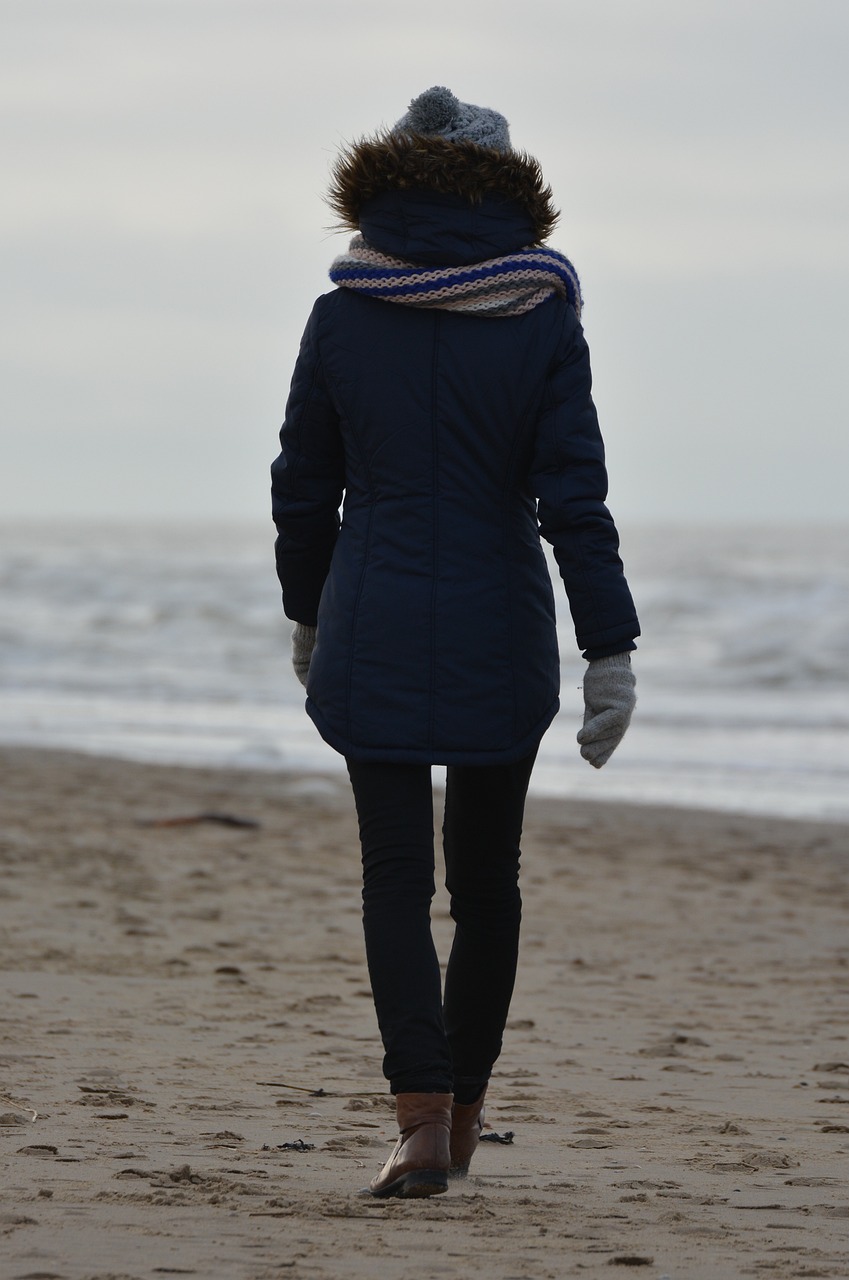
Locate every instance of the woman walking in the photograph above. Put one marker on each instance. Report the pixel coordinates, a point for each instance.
(443, 389)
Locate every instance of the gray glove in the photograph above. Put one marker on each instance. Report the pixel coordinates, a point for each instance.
(303, 643)
(609, 699)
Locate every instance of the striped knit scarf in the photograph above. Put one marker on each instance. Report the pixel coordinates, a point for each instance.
(507, 286)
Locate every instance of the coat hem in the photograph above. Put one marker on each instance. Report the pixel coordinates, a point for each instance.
(425, 755)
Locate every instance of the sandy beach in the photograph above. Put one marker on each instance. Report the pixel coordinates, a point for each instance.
(186, 1008)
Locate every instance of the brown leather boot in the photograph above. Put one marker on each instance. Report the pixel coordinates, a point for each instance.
(466, 1125)
(419, 1164)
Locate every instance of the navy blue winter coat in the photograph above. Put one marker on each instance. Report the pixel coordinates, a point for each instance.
(452, 441)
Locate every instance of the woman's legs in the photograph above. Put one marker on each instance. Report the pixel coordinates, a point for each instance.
(431, 1048)
(395, 810)
(484, 809)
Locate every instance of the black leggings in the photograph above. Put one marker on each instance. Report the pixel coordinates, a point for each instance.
(436, 1046)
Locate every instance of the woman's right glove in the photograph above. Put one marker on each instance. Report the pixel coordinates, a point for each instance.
(303, 643)
(609, 700)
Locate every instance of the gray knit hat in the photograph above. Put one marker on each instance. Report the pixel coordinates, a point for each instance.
(438, 113)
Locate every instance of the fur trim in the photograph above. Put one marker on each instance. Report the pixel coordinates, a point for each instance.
(391, 161)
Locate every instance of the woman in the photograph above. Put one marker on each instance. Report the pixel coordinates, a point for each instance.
(444, 390)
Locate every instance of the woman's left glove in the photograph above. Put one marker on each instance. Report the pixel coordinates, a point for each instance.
(303, 643)
(609, 700)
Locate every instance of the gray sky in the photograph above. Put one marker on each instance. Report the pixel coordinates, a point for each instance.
(163, 234)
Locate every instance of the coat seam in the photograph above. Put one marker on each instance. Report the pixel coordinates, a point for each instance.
(505, 523)
(349, 681)
(431, 731)
(361, 450)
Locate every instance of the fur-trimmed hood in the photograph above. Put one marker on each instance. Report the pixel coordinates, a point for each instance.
(464, 170)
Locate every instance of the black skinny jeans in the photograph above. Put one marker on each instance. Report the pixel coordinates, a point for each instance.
(434, 1045)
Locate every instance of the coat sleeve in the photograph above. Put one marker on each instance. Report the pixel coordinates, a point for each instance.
(307, 483)
(569, 479)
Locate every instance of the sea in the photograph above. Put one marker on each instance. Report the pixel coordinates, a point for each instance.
(167, 643)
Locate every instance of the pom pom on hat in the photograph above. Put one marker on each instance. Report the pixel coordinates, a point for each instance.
(439, 113)
(433, 110)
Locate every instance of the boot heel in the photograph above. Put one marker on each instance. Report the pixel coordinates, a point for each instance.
(467, 1122)
(424, 1182)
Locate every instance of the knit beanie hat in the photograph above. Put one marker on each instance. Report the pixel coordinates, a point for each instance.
(438, 113)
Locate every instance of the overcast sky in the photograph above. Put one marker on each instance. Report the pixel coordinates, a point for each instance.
(163, 233)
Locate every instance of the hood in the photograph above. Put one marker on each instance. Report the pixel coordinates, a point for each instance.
(432, 201)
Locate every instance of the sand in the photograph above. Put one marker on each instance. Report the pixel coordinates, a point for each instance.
(181, 1003)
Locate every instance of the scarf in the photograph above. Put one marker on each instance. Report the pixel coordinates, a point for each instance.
(507, 286)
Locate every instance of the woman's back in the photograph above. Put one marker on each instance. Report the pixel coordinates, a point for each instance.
(438, 589)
